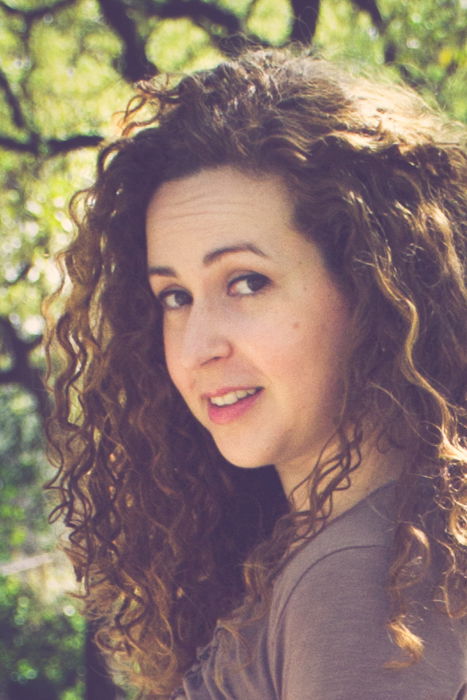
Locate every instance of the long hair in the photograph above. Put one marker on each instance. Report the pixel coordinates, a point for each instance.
(165, 535)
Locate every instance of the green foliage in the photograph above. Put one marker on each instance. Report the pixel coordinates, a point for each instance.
(423, 42)
(22, 517)
(40, 645)
(181, 46)
(271, 20)
(431, 48)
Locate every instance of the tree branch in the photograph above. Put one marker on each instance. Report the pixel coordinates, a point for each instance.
(196, 10)
(135, 65)
(21, 372)
(72, 143)
(372, 9)
(380, 23)
(19, 146)
(306, 13)
(13, 102)
(233, 36)
(50, 147)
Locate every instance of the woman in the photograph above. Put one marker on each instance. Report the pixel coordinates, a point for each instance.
(260, 423)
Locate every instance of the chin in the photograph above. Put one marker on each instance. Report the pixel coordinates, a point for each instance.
(249, 465)
(242, 461)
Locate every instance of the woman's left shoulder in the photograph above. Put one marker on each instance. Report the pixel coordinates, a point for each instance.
(329, 613)
(365, 531)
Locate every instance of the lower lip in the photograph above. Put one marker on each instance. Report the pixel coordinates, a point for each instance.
(225, 414)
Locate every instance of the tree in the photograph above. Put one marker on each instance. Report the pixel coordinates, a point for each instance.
(65, 67)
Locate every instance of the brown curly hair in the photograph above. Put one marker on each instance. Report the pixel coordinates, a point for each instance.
(166, 536)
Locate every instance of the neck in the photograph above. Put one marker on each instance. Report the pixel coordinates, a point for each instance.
(375, 470)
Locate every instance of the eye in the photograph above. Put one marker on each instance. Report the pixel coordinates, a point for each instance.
(247, 284)
(174, 299)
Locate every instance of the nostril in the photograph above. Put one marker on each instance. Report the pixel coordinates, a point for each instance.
(202, 350)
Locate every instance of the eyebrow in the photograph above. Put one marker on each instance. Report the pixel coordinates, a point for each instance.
(211, 257)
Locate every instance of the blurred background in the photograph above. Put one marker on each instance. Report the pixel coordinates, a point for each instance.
(66, 68)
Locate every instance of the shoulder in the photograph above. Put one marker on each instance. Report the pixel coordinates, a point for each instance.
(327, 631)
(362, 534)
(332, 591)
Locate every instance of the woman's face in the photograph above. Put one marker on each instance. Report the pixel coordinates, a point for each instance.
(255, 328)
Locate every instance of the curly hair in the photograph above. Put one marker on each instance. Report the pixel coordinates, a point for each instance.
(166, 536)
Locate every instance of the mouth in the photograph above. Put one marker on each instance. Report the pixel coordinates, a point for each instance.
(232, 397)
(229, 404)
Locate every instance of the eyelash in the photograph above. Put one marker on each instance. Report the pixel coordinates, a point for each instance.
(248, 277)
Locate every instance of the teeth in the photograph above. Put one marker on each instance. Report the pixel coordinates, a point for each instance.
(232, 397)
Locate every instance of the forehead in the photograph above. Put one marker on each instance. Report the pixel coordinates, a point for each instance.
(218, 204)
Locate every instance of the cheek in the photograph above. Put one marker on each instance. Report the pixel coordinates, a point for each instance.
(314, 348)
(171, 353)
(284, 349)
(338, 332)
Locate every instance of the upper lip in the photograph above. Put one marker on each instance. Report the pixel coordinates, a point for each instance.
(228, 389)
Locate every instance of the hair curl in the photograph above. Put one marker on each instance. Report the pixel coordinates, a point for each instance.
(166, 536)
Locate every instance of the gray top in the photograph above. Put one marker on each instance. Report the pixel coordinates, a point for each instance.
(325, 636)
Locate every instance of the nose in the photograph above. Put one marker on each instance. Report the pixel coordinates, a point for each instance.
(206, 336)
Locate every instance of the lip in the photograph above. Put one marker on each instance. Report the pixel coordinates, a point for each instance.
(225, 414)
(228, 390)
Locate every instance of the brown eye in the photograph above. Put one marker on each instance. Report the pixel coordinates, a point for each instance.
(248, 284)
(174, 298)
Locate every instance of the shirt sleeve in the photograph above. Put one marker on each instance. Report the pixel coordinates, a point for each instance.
(331, 641)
